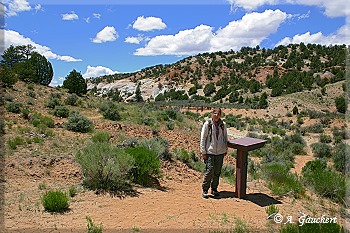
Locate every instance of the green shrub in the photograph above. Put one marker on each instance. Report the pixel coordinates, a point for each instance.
(281, 181)
(79, 123)
(72, 191)
(312, 228)
(31, 93)
(146, 164)
(101, 136)
(173, 114)
(321, 150)
(341, 157)
(183, 155)
(340, 134)
(39, 119)
(271, 209)
(148, 121)
(190, 159)
(8, 98)
(111, 114)
(160, 146)
(71, 99)
(228, 173)
(253, 169)
(235, 121)
(105, 168)
(325, 138)
(324, 181)
(92, 228)
(25, 113)
(30, 86)
(14, 107)
(315, 128)
(56, 95)
(13, 143)
(61, 111)
(314, 165)
(55, 201)
(53, 102)
(170, 125)
(341, 104)
(2, 127)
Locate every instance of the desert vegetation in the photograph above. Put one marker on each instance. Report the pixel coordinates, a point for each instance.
(79, 146)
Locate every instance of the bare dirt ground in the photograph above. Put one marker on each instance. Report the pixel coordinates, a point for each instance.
(175, 206)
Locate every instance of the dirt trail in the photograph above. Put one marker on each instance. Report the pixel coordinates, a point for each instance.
(175, 207)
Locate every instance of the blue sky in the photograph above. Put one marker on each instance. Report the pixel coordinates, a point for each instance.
(105, 37)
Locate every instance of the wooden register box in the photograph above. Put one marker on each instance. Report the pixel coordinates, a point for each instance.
(243, 145)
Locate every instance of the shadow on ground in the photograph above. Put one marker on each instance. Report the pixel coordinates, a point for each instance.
(259, 199)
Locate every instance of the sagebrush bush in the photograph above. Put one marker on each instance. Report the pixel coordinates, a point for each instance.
(340, 134)
(325, 138)
(170, 125)
(31, 93)
(61, 111)
(55, 201)
(101, 136)
(158, 145)
(174, 114)
(25, 113)
(190, 159)
(71, 99)
(321, 150)
(2, 127)
(111, 114)
(14, 107)
(79, 123)
(315, 128)
(341, 157)
(53, 102)
(147, 164)
(149, 121)
(105, 168)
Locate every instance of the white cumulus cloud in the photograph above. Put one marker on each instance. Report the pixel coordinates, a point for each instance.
(341, 36)
(333, 8)
(10, 37)
(185, 42)
(251, 30)
(12, 7)
(107, 34)
(135, 39)
(70, 16)
(97, 71)
(96, 15)
(148, 24)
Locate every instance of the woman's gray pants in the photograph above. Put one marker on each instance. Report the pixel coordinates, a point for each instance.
(213, 165)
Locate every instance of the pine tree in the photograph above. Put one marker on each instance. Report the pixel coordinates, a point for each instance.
(75, 83)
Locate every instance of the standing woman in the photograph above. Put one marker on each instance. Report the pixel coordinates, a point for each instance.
(213, 147)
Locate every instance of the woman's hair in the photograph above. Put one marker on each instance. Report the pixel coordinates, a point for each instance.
(217, 110)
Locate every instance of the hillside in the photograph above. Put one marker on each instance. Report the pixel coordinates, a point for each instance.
(226, 77)
(41, 158)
